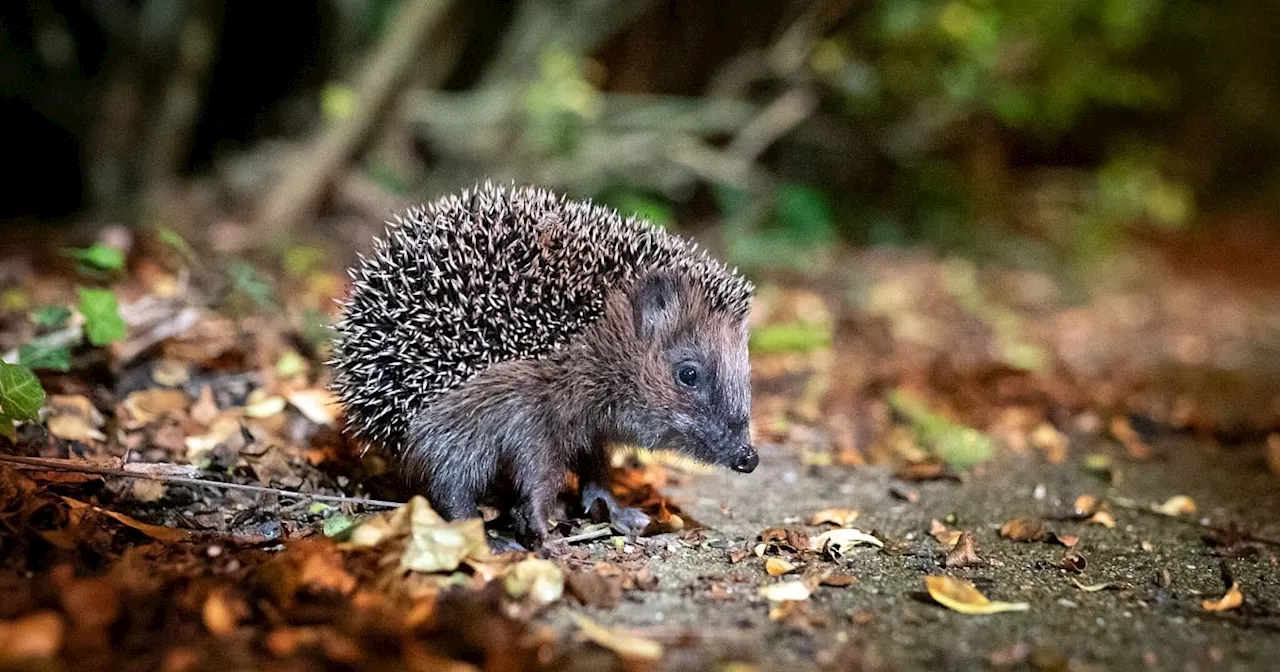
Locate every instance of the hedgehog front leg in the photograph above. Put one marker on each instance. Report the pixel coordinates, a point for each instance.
(593, 479)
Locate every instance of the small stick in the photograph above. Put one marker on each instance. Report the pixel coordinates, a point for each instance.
(75, 466)
(587, 536)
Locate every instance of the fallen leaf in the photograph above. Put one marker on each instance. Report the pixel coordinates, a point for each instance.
(962, 596)
(30, 637)
(963, 554)
(224, 430)
(157, 532)
(72, 417)
(837, 517)
(838, 579)
(1103, 518)
(431, 543)
(170, 373)
(147, 406)
(218, 614)
(624, 644)
(945, 535)
(1124, 432)
(1110, 585)
(1085, 506)
(317, 405)
(777, 566)
(1068, 540)
(1232, 599)
(262, 405)
(205, 410)
(1022, 529)
(1073, 562)
(593, 589)
(540, 579)
(835, 543)
(785, 591)
(1175, 506)
(147, 490)
(738, 556)
(1048, 439)
(785, 538)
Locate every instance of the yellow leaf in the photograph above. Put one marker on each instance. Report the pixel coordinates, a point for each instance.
(786, 591)
(541, 579)
(1231, 600)
(1177, 505)
(778, 566)
(962, 596)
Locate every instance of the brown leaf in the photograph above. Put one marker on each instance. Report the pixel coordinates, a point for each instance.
(218, 614)
(1103, 518)
(31, 637)
(1124, 432)
(963, 554)
(147, 406)
(1051, 441)
(945, 535)
(1178, 505)
(738, 556)
(1023, 529)
(838, 579)
(594, 590)
(837, 517)
(156, 532)
(624, 644)
(1232, 599)
(74, 418)
(1084, 506)
(785, 538)
(1068, 540)
(205, 410)
(1073, 562)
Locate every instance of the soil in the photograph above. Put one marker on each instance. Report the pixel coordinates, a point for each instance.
(887, 621)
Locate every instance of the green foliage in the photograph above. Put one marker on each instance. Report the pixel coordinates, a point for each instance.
(558, 101)
(20, 397)
(40, 354)
(632, 202)
(102, 322)
(98, 258)
(50, 317)
(791, 337)
(247, 281)
(955, 444)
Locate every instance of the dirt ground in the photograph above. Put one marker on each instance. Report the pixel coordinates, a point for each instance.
(886, 621)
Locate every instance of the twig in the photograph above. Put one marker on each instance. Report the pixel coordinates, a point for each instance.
(76, 466)
(587, 536)
(300, 190)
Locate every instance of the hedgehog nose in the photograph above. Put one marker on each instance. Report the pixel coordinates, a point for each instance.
(747, 460)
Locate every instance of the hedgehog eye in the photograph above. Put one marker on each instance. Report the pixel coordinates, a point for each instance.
(687, 375)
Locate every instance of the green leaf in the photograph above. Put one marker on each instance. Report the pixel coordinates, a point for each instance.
(957, 444)
(20, 397)
(246, 280)
(40, 355)
(99, 257)
(791, 337)
(50, 317)
(805, 214)
(102, 322)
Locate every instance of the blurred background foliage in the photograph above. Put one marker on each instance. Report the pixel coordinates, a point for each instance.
(1044, 132)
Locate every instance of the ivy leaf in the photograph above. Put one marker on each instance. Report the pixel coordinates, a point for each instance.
(50, 317)
(102, 322)
(40, 355)
(20, 397)
(99, 257)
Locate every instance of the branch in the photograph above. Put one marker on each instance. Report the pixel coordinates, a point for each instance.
(78, 467)
(299, 192)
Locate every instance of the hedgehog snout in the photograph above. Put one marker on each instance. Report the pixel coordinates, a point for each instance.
(746, 461)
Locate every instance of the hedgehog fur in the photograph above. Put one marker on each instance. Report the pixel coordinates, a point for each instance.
(488, 275)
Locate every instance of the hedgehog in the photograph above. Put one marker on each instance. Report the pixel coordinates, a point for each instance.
(499, 339)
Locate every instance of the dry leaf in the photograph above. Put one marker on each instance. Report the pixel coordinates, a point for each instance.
(540, 579)
(147, 490)
(72, 417)
(1048, 439)
(838, 579)
(157, 532)
(962, 596)
(1128, 437)
(147, 406)
(777, 566)
(431, 543)
(218, 614)
(170, 373)
(963, 554)
(1175, 506)
(1073, 562)
(1085, 506)
(623, 644)
(835, 543)
(1110, 585)
(785, 539)
(1103, 518)
(945, 535)
(262, 405)
(317, 404)
(785, 591)
(837, 517)
(223, 430)
(205, 409)
(1022, 529)
(1068, 540)
(1233, 599)
(34, 636)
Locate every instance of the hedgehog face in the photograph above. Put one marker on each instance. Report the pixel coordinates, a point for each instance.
(694, 394)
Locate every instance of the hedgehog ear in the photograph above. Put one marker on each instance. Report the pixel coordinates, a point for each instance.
(653, 301)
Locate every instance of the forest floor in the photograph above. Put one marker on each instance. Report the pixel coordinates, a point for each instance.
(1101, 464)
